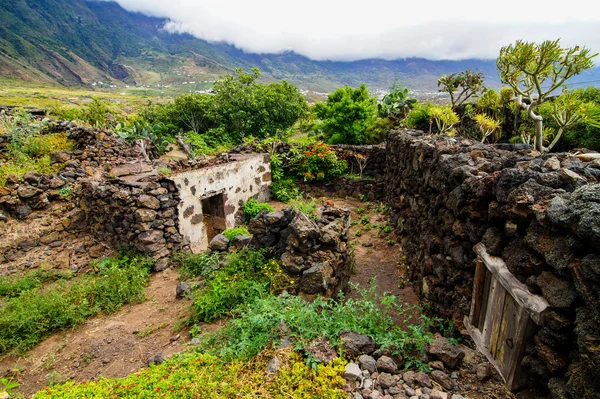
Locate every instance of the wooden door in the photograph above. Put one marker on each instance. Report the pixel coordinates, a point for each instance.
(503, 316)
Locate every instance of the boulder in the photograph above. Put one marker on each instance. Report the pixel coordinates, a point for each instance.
(219, 243)
(355, 344)
(386, 364)
(315, 279)
(386, 380)
(322, 350)
(442, 349)
(352, 372)
(367, 363)
(148, 201)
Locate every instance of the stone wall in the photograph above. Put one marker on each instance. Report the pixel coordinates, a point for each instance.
(541, 215)
(140, 215)
(315, 254)
(342, 187)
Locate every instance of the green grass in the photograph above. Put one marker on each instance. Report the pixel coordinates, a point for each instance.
(245, 276)
(36, 313)
(256, 323)
(15, 285)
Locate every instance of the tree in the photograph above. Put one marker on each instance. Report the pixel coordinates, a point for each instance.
(346, 115)
(461, 86)
(526, 67)
(242, 107)
(567, 111)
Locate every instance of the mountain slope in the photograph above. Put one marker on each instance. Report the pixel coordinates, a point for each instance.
(77, 42)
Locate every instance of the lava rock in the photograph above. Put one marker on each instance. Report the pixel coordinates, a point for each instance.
(219, 243)
(355, 344)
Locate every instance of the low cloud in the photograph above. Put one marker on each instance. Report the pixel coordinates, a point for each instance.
(350, 30)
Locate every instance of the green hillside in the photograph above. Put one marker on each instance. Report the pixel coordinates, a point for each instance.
(77, 42)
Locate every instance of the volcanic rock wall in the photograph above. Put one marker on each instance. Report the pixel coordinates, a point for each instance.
(541, 215)
(314, 254)
(140, 215)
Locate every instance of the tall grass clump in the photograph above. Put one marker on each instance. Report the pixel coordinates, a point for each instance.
(36, 313)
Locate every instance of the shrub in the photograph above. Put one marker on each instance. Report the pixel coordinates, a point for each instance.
(30, 317)
(320, 162)
(252, 208)
(244, 278)
(309, 207)
(346, 115)
(14, 286)
(256, 325)
(195, 375)
(197, 265)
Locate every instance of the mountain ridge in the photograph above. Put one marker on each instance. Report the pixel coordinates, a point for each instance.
(79, 42)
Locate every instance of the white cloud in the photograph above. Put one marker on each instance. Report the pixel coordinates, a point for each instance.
(350, 30)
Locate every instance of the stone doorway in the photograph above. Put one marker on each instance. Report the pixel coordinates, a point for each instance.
(213, 212)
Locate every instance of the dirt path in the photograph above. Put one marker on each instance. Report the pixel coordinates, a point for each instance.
(112, 346)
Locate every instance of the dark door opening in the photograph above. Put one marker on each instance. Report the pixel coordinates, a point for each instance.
(213, 210)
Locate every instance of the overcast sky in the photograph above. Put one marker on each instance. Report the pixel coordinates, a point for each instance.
(351, 30)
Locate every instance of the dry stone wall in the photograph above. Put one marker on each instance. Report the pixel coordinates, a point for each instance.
(315, 254)
(142, 215)
(541, 215)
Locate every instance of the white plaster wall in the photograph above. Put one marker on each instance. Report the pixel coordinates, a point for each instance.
(248, 176)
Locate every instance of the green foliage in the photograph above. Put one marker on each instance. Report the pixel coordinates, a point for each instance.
(346, 115)
(65, 191)
(444, 117)
(27, 319)
(320, 162)
(155, 136)
(256, 324)
(164, 171)
(197, 143)
(244, 108)
(7, 385)
(396, 103)
(309, 207)
(252, 208)
(283, 187)
(101, 114)
(534, 71)
(197, 265)
(567, 111)
(13, 286)
(238, 107)
(232, 233)
(244, 277)
(196, 376)
(461, 86)
(488, 126)
(377, 133)
(28, 147)
(419, 117)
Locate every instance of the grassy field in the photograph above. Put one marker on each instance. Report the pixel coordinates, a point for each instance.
(52, 97)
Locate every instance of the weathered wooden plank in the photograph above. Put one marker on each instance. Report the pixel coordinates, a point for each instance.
(478, 289)
(481, 347)
(507, 339)
(497, 308)
(534, 304)
(485, 297)
(516, 377)
(494, 310)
